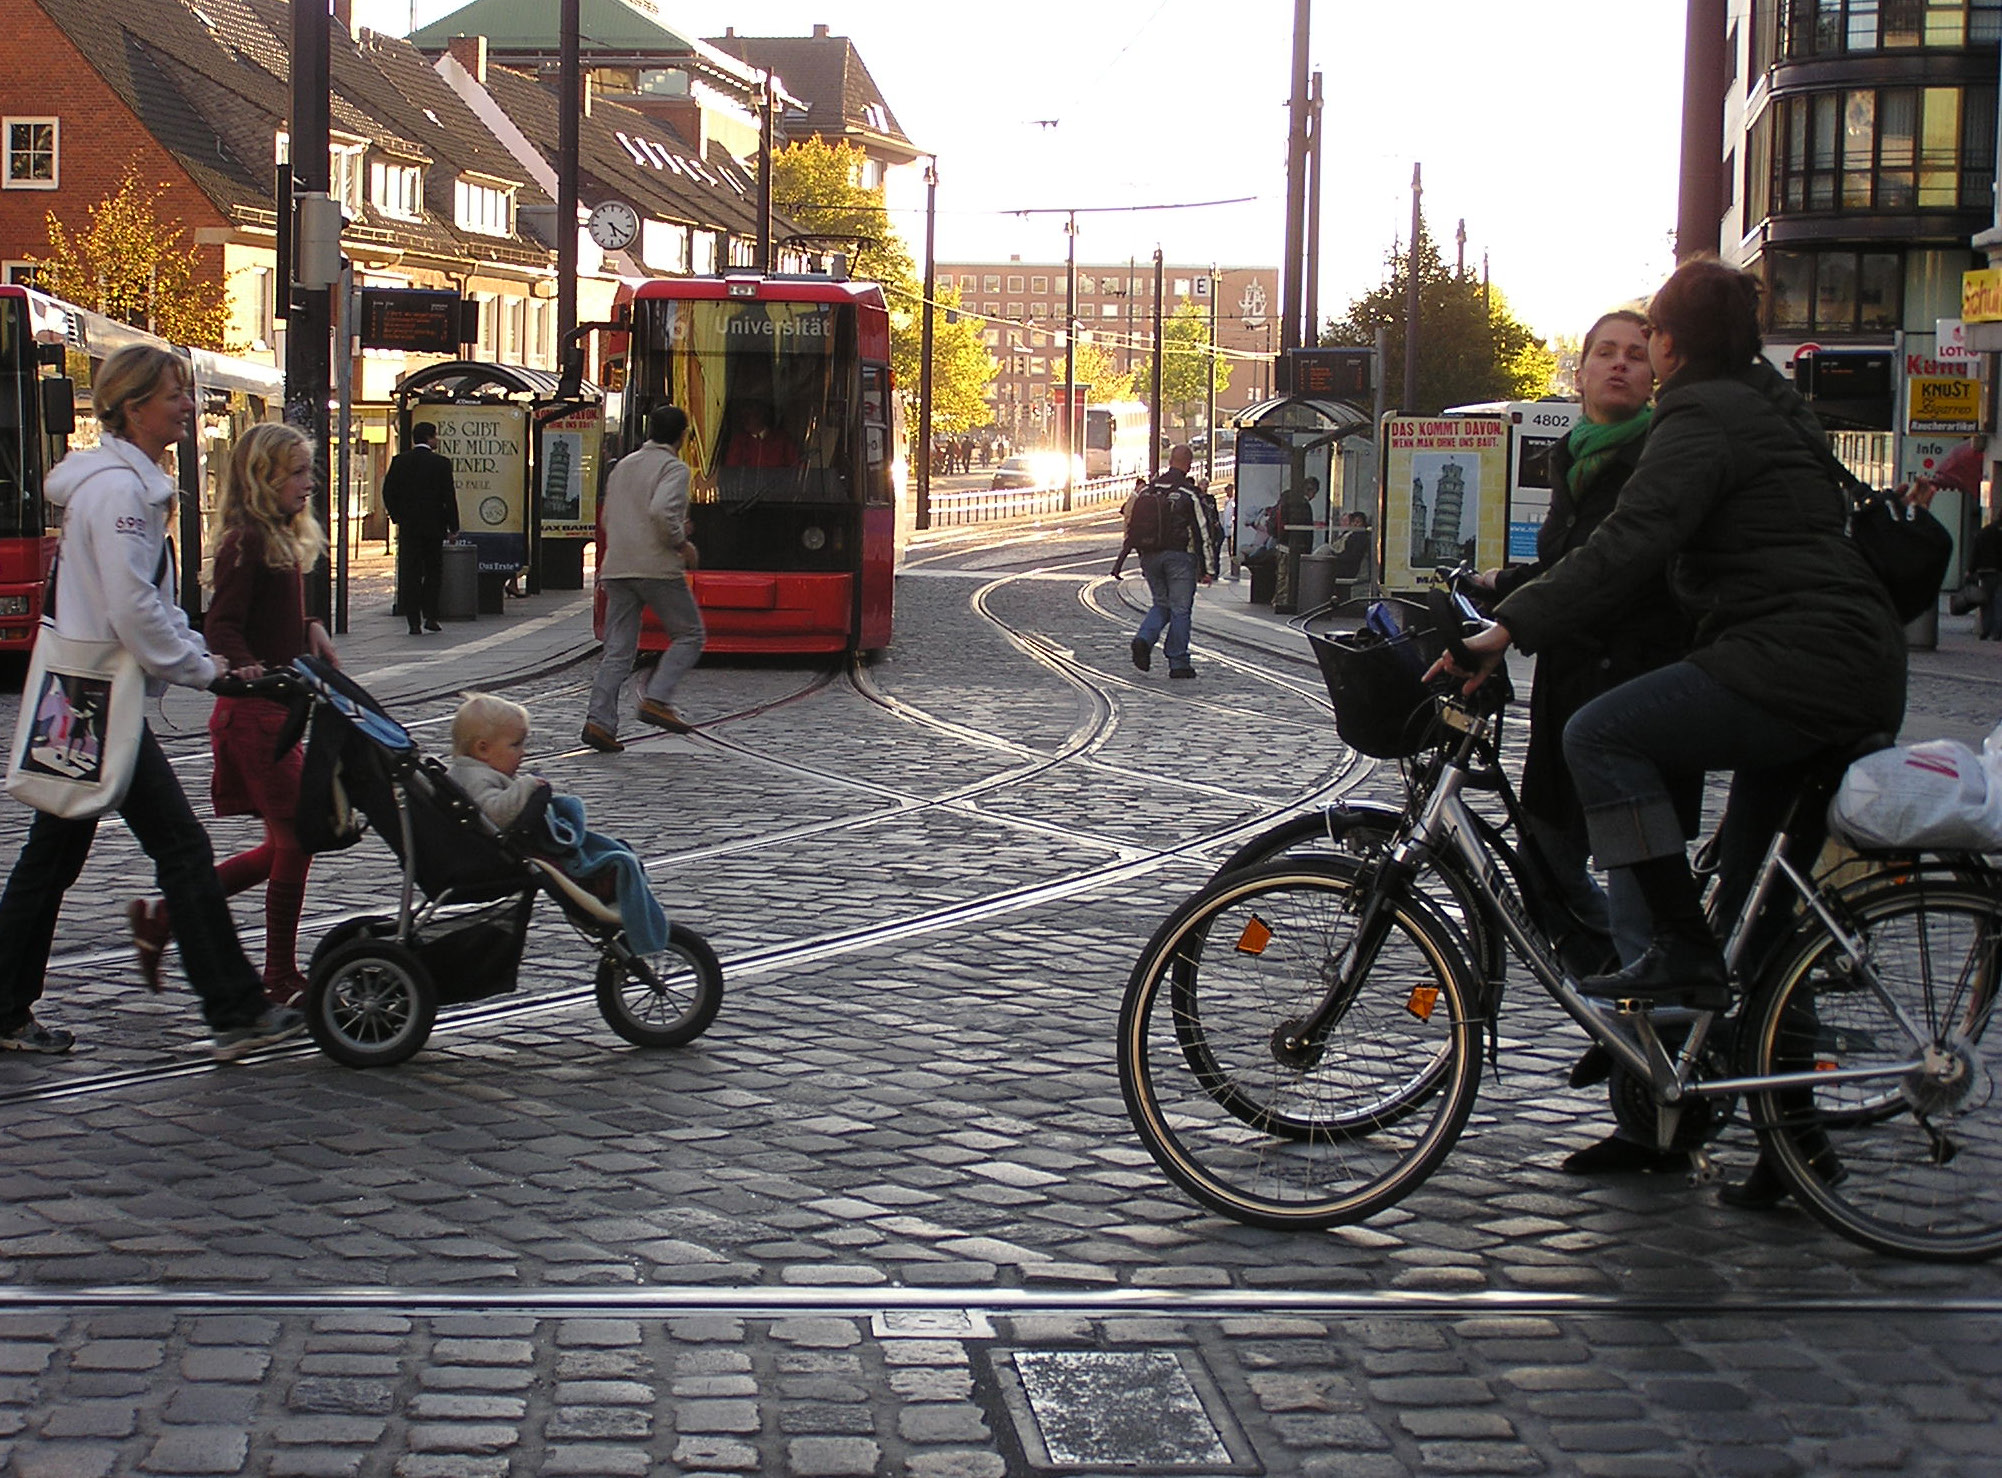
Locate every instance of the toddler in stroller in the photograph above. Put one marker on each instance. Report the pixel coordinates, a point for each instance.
(468, 888)
(489, 740)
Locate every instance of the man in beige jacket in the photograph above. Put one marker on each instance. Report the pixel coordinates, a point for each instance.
(645, 567)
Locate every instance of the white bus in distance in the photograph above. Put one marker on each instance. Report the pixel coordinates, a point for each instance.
(1115, 439)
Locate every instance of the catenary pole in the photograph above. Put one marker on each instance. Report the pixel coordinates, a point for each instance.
(309, 325)
(923, 519)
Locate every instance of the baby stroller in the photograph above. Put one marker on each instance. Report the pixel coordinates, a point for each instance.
(375, 983)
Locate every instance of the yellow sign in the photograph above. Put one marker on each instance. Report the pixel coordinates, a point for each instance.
(1445, 488)
(1937, 403)
(488, 447)
(1981, 296)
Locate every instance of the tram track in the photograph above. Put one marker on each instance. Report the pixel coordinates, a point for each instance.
(683, 1300)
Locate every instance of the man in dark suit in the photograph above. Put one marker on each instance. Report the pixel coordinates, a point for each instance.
(419, 496)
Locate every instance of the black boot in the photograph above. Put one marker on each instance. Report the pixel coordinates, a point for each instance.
(1682, 965)
(1676, 971)
(1763, 1189)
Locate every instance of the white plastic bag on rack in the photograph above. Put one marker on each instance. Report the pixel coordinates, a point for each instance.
(1938, 796)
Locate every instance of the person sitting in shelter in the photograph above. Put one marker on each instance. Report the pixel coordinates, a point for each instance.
(489, 740)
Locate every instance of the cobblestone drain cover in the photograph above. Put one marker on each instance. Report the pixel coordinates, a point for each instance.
(1100, 1411)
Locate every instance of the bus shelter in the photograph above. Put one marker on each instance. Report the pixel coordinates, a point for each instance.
(1293, 486)
(524, 462)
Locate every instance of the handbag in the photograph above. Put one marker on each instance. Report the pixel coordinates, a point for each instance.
(76, 739)
(1904, 545)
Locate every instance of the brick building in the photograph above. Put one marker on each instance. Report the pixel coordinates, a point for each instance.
(1023, 305)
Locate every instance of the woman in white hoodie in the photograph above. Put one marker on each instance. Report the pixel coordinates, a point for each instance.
(115, 580)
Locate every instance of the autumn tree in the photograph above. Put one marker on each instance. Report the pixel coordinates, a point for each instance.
(1470, 347)
(961, 367)
(129, 265)
(1093, 366)
(1186, 365)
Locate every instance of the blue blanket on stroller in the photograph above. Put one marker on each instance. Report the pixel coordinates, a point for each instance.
(583, 853)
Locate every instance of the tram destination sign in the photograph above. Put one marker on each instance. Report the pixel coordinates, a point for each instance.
(413, 319)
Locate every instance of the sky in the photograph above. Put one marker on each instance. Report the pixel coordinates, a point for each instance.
(1551, 129)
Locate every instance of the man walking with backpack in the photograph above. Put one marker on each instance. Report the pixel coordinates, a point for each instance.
(1173, 526)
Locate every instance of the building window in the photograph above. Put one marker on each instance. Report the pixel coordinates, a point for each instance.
(396, 189)
(1878, 149)
(262, 307)
(990, 283)
(31, 153)
(992, 310)
(1087, 285)
(1792, 30)
(1039, 284)
(485, 209)
(1832, 292)
(1015, 282)
(20, 274)
(344, 176)
(1015, 311)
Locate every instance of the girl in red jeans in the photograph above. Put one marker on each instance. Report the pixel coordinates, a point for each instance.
(257, 619)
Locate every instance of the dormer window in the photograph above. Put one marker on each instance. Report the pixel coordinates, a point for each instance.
(396, 189)
(487, 209)
(344, 176)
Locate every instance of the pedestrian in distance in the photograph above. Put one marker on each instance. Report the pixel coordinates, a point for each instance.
(421, 500)
(1230, 528)
(257, 621)
(1985, 566)
(648, 555)
(116, 582)
(1174, 528)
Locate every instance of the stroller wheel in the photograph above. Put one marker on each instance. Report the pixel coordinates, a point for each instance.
(665, 999)
(370, 1003)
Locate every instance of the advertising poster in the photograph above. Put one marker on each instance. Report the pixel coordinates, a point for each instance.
(1538, 427)
(1261, 477)
(1445, 499)
(568, 474)
(488, 446)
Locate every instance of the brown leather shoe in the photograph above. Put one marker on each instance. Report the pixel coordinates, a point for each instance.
(602, 740)
(664, 716)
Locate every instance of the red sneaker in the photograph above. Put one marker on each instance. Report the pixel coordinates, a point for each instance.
(287, 990)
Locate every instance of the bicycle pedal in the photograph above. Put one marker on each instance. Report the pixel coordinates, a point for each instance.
(1702, 1168)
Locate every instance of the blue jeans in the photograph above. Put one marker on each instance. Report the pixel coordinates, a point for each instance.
(673, 605)
(1676, 720)
(157, 811)
(1171, 577)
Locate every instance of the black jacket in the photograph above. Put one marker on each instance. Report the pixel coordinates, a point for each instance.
(418, 493)
(1729, 499)
(1646, 631)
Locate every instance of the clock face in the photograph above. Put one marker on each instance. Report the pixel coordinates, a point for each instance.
(614, 224)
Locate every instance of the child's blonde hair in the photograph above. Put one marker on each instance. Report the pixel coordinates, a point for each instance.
(258, 465)
(483, 716)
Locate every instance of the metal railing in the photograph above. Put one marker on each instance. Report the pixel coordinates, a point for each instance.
(992, 505)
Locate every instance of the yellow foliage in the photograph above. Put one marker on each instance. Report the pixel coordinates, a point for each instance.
(129, 265)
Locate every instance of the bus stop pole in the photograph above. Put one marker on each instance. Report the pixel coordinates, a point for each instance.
(344, 395)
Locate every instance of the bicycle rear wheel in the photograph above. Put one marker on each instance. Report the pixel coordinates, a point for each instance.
(1909, 1163)
(1286, 1138)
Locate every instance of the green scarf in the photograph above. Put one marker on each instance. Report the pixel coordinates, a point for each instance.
(1593, 443)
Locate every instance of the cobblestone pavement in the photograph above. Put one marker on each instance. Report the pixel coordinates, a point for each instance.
(887, 1215)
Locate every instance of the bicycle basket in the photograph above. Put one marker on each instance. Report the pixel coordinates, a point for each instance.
(1382, 706)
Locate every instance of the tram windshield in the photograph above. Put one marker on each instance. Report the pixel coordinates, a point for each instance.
(767, 389)
(20, 491)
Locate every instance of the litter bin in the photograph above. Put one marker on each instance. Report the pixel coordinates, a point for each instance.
(1286, 587)
(1314, 586)
(1264, 567)
(459, 584)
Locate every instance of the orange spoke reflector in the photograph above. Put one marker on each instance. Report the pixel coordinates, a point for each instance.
(1421, 1001)
(1254, 938)
(1826, 1065)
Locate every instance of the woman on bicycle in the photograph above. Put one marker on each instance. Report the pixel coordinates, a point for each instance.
(1588, 470)
(1797, 648)
(257, 619)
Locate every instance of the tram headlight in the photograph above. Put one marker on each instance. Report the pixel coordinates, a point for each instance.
(13, 605)
(814, 537)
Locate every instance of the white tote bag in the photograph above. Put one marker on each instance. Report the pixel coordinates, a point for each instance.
(77, 738)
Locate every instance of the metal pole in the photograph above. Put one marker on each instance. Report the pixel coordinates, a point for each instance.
(1411, 298)
(1700, 199)
(570, 106)
(764, 261)
(1296, 193)
(344, 371)
(1070, 357)
(924, 344)
(1311, 331)
(1154, 416)
(1209, 388)
(309, 326)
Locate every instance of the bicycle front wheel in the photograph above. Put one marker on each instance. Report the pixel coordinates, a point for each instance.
(1908, 1162)
(1321, 1134)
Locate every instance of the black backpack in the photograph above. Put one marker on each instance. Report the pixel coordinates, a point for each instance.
(1157, 520)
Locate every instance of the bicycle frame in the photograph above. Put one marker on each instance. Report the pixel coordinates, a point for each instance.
(1446, 822)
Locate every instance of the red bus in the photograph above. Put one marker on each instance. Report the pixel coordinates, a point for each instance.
(792, 449)
(49, 354)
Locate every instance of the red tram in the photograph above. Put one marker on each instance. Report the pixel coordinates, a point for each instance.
(792, 449)
(50, 352)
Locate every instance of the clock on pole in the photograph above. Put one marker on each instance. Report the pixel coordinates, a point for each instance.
(613, 225)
